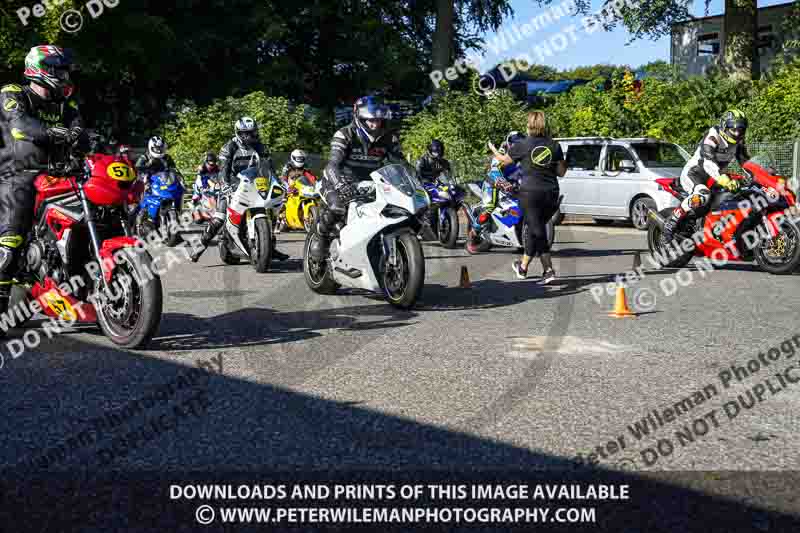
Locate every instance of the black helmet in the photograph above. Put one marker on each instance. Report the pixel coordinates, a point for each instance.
(733, 126)
(436, 149)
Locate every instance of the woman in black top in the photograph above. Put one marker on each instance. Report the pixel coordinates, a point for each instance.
(541, 162)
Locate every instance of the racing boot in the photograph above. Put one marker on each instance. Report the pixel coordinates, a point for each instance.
(672, 224)
(279, 256)
(214, 225)
(321, 246)
(6, 266)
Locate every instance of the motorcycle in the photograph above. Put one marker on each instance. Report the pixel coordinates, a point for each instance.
(302, 205)
(728, 227)
(447, 199)
(79, 262)
(160, 207)
(206, 202)
(378, 249)
(258, 199)
(505, 226)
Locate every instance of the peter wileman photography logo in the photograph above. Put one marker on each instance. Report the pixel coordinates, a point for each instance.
(71, 20)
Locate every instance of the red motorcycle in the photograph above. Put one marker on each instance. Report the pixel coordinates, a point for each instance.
(758, 222)
(79, 261)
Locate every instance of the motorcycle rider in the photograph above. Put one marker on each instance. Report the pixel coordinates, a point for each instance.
(32, 118)
(206, 173)
(296, 167)
(155, 160)
(720, 145)
(234, 157)
(357, 150)
(500, 172)
(432, 163)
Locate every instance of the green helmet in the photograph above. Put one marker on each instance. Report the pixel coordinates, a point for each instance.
(49, 66)
(733, 126)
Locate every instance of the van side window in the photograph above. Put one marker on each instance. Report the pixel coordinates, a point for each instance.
(583, 156)
(615, 155)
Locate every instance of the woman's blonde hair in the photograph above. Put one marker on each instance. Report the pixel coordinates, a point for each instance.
(537, 126)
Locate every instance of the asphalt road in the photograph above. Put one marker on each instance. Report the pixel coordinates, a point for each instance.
(506, 374)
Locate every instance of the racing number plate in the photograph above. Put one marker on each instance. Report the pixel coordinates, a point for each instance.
(121, 172)
(262, 184)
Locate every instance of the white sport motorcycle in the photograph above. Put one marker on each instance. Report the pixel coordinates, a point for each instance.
(251, 211)
(378, 249)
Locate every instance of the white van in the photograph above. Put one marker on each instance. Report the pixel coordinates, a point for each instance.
(614, 179)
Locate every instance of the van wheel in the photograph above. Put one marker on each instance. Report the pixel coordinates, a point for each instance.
(639, 212)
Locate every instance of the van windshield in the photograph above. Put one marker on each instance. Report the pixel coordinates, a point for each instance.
(660, 155)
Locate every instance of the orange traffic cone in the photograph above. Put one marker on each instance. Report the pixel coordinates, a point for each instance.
(464, 282)
(621, 307)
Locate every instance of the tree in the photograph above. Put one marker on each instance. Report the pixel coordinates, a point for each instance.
(459, 24)
(654, 18)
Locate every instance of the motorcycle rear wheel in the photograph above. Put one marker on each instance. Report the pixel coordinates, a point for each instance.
(132, 318)
(317, 273)
(662, 256)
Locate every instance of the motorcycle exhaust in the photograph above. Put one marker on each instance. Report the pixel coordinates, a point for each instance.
(655, 217)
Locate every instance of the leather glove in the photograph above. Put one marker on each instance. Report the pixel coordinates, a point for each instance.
(346, 192)
(58, 133)
(726, 182)
(226, 189)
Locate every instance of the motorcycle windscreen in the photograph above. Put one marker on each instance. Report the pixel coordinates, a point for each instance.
(398, 178)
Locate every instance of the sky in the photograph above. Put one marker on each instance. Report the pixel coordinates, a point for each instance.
(582, 48)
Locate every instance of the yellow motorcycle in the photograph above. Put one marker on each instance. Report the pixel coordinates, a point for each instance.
(302, 203)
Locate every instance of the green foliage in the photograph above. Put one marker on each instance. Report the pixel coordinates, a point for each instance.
(774, 109)
(199, 129)
(679, 111)
(465, 122)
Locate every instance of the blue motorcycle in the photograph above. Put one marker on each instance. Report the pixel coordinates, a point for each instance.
(161, 206)
(505, 226)
(447, 199)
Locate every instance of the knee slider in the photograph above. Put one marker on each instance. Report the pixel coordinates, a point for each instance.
(6, 258)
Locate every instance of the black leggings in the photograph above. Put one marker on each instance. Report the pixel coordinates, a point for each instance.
(539, 207)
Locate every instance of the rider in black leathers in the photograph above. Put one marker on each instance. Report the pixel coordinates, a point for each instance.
(357, 150)
(234, 157)
(432, 163)
(32, 117)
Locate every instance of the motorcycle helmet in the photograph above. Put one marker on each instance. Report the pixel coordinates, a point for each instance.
(297, 159)
(733, 126)
(370, 115)
(211, 162)
(436, 149)
(246, 130)
(513, 137)
(156, 147)
(49, 67)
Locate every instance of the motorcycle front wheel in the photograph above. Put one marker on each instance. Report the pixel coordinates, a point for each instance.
(449, 228)
(169, 225)
(261, 246)
(402, 283)
(130, 313)
(780, 255)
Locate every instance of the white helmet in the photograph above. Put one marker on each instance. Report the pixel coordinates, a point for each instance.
(156, 147)
(246, 130)
(297, 159)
